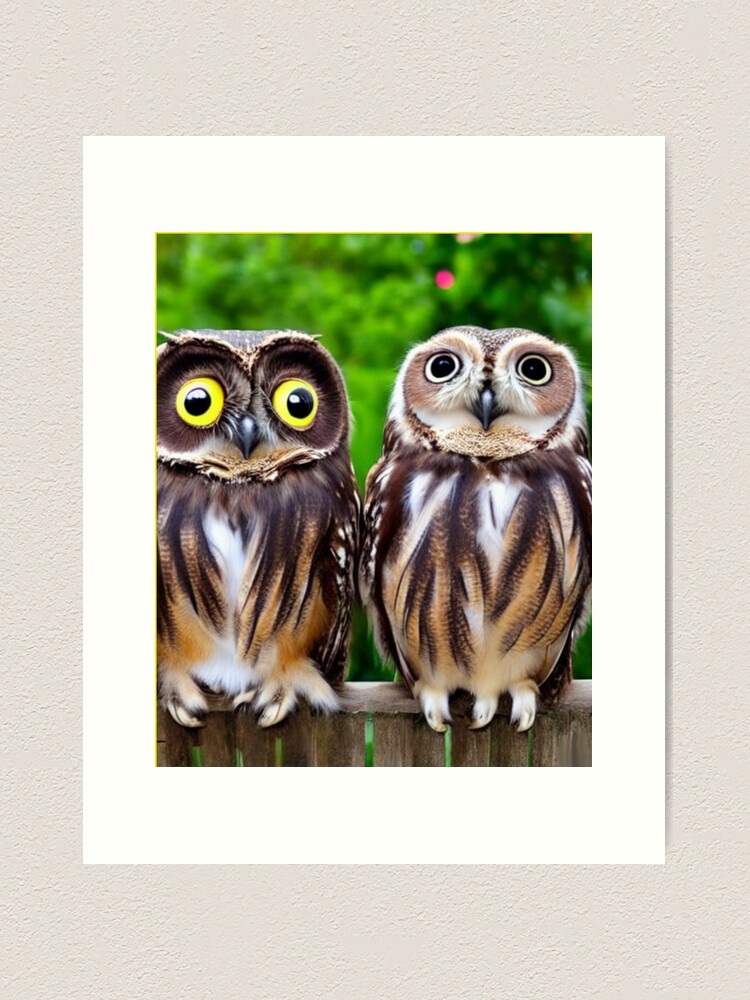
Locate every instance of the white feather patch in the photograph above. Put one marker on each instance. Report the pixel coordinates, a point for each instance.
(229, 551)
(418, 489)
(224, 670)
(497, 498)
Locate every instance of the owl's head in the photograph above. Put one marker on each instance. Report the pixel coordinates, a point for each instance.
(237, 405)
(491, 394)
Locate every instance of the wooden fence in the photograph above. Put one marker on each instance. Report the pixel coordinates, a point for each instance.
(380, 725)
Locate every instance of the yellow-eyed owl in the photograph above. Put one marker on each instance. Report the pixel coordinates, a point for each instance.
(476, 555)
(258, 520)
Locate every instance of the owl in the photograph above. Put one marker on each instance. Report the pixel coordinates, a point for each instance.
(258, 523)
(476, 553)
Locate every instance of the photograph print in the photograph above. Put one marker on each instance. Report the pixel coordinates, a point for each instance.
(373, 517)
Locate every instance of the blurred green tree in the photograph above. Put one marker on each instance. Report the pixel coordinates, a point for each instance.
(372, 296)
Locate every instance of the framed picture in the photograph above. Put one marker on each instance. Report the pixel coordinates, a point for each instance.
(376, 245)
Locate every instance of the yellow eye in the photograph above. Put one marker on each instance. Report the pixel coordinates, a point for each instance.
(296, 402)
(200, 402)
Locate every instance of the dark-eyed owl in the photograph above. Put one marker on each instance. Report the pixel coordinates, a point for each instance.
(476, 556)
(258, 520)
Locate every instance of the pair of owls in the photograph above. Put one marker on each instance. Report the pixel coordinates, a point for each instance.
(472, 554)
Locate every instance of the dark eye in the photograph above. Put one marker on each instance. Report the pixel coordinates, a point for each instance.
(535, 369)
(300, 403)
(197, 402)
(441, 367)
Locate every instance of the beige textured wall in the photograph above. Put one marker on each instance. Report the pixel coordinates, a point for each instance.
(678, 931)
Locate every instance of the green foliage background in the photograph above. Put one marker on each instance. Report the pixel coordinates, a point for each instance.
(372, 297)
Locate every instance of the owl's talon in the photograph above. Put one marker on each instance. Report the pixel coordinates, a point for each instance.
(274, 713)
(526, 721)
(436, 711)
(524, 708)
(483, 712)
(436, 723)
(244, 701)
(184, 717)
(273, 705)
(182, 698)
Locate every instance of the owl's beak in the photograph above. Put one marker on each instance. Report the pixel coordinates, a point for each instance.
(245, 435)
(484, 408)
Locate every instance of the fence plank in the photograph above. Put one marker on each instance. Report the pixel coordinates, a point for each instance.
(178, 742)
(428, 746)
(582, 735)
(546, 739)
(161, 738)
(393, 741)
(340, 741)
(257, 746)
(470, 747)
(508, 748)
(576, 747)
(217, 740)
(562, 739)
(297, 734)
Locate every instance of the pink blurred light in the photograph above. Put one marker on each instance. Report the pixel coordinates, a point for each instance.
(444, 279)
(466, 237)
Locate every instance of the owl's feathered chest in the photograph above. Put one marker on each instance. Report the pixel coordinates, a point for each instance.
(459, 553)
(253, 561)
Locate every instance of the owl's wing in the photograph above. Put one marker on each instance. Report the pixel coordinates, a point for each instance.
(578, 570)
(339, 570)
(188, 575)
(372, 514)
(376, 494)
(581, 444)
